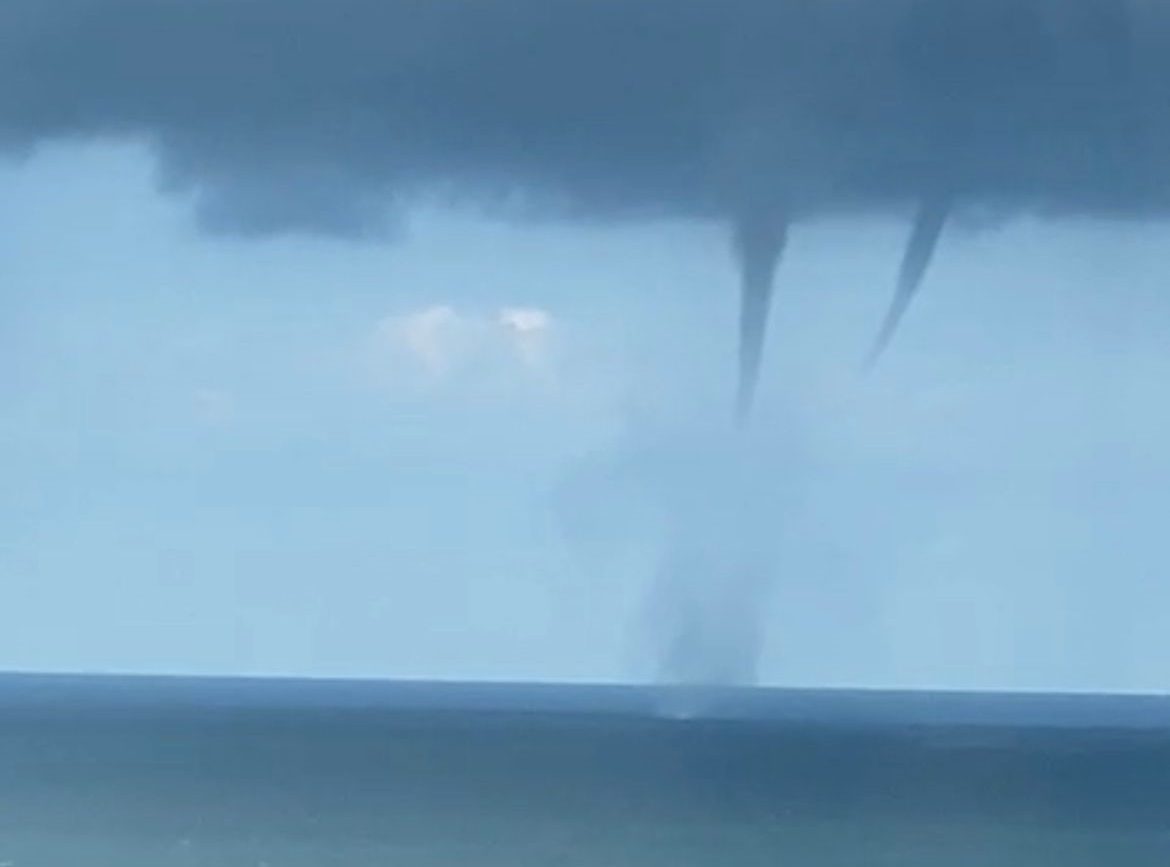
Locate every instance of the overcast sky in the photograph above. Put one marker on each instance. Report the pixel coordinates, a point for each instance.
(254, 420)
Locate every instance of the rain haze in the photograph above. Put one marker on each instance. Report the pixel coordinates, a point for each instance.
(762, 342)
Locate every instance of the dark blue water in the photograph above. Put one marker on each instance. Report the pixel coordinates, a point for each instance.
(143, 771)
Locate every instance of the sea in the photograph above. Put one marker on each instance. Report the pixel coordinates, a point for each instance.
(103, 771)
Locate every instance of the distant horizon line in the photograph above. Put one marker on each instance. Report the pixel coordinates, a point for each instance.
(829, 706)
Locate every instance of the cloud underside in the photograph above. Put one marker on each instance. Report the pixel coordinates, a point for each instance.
(330, 115)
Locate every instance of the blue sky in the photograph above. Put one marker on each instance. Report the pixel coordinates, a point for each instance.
(462, 452)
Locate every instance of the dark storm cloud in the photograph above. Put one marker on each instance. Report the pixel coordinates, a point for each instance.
(313, 114)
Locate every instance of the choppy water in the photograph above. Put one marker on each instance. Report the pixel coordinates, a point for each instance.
(131, 772)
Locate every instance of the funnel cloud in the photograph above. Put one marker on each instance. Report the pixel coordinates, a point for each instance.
(920, 250)
(759, 242)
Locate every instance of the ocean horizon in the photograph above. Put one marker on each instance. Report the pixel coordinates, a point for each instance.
(221, 771)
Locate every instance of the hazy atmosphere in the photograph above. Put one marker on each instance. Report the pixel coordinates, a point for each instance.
(367, 354)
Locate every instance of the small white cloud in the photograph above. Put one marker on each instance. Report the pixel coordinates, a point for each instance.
(436, 337)
(445, 341)
(524, 320)
(528, 331)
